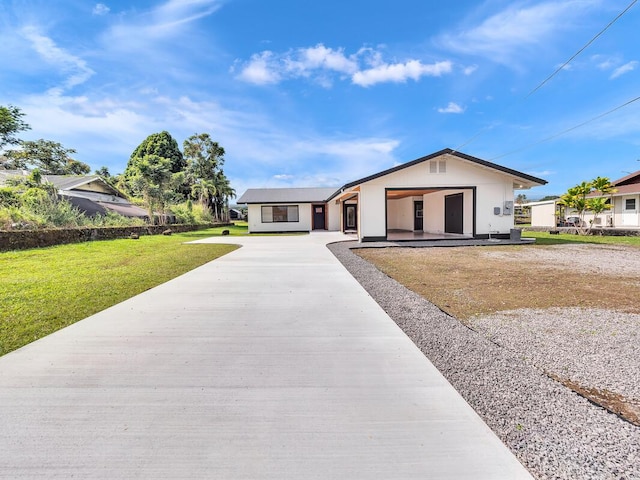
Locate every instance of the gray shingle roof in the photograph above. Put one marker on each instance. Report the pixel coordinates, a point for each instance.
(287, 195)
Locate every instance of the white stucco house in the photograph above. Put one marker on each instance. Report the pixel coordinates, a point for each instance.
(624, 213)
(445, 194)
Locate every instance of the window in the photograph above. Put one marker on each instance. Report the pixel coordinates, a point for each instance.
(630, 204)
(279, 213)
(437, 166)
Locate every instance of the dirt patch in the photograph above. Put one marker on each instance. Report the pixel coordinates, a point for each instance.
(627, 408)
(471, 281)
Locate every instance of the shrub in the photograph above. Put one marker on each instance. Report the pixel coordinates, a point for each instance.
(9, 197)
(113, 219)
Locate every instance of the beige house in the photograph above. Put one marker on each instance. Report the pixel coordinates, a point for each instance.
(447, 194)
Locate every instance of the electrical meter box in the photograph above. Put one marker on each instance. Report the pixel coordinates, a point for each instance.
(508, 208)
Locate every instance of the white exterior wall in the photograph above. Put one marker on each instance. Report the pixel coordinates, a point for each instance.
(333, 216)
(400, 215)
(626, 218)
(303, 224)
(543, 214)
(493, 189)
(371, 208)
(433, 220)
(434, 211)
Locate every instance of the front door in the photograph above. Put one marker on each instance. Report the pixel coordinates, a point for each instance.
(318, 217)
(453, 208)
(350, 216)
(418, 225)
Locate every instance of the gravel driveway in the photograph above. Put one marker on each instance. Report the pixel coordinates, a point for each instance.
(502, 367)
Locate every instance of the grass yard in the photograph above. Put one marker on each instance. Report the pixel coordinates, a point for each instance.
(43, 290)
(545, 238)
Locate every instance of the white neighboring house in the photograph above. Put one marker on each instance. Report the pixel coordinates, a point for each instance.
(626, 204)
(446, 194)
(89, 193)
(543, 213)
(623, 214)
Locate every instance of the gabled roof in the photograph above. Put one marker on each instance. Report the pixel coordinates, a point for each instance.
(71, 182)
(287, 195)
(447, 151)
(631, 179)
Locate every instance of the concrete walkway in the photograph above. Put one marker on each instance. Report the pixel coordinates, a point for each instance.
(268, 363)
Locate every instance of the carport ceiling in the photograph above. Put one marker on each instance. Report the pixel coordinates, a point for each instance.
(397, 194)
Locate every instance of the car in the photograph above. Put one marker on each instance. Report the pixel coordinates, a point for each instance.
(574, 222)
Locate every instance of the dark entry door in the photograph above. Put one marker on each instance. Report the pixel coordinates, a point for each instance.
(350, 216)
(318, 217)
(418, 224)
(453, 208)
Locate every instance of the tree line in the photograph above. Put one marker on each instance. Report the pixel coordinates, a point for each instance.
(158, 175)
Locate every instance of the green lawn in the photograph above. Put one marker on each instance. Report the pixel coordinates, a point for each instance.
(545, 238)
(43, 290)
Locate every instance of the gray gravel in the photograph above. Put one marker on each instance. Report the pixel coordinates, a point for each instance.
(554, 432)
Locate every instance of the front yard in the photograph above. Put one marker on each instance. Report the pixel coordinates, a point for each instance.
(43, 290)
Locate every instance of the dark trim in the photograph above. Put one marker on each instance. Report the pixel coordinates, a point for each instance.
(446, 151)
(474, 212)
(373, 239)
(485, 236)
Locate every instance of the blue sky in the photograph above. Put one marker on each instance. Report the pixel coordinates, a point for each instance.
(322, 93)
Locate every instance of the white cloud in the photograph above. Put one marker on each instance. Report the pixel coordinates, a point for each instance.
(328, 59)
(452, 107)
(502, 36)
(470, 69)
(141, 30)
(627, 67)
(400, 72)
(260, 69)
(283, 176)
(74, 67)
(319, 63)
(100, 9)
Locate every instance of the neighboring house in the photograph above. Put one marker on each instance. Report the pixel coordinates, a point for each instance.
(544, 213)
(445, 194)
(623, 214)
(626, 204)
(235, 214)
(89, 193)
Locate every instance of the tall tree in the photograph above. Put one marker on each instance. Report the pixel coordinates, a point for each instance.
(11, 123)
(162, 145)
(50, 157)
(149, 177)
(205, 159)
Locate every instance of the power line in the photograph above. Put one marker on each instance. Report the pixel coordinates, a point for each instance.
(581, 50)
(483, 130)
(567, 130)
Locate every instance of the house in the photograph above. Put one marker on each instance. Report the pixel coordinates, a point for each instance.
(290, 209)
(625, 204)
(235, 214)
(447, 194)
(623, 214)
(91, 194)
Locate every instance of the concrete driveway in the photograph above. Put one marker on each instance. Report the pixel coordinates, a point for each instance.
(271, 362)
